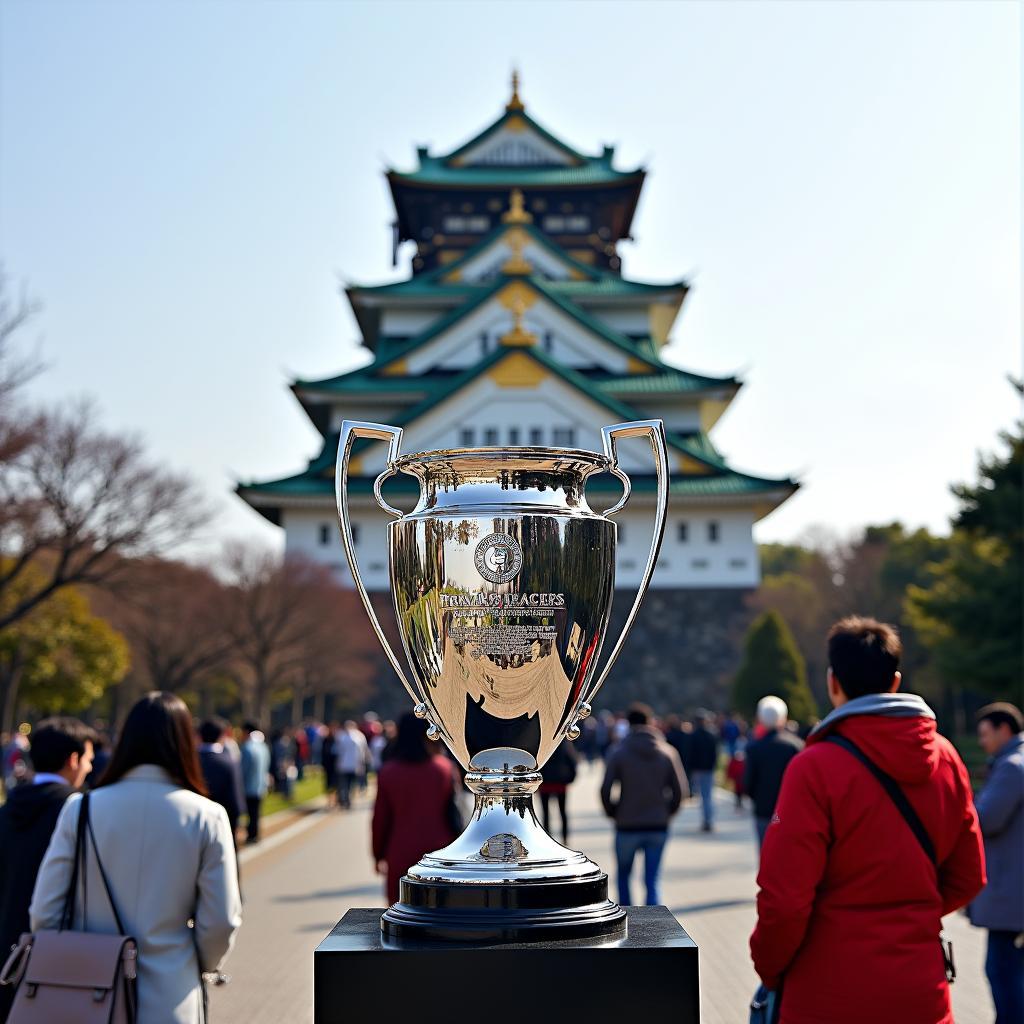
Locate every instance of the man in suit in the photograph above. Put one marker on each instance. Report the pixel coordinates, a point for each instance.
(61, 753)
(222, 773)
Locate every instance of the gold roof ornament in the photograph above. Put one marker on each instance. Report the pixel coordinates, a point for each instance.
(517, 213)
(515, 103)
(517, 263)
(519, 336)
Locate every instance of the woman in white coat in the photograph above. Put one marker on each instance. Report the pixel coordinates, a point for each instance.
(168, 855)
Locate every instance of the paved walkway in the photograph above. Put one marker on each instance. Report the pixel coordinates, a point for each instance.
(299, 883)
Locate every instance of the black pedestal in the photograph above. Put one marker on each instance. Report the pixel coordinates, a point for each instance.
(651, 973)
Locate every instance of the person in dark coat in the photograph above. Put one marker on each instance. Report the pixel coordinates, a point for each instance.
(61, 754)
(766, 761)
(999, 907)
(648, 777)
(558, 773)
(329, 763)
(850, 905)
(701, 768)
(413, 812)
(222, 773)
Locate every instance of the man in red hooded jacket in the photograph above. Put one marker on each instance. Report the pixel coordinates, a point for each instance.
(850, 904)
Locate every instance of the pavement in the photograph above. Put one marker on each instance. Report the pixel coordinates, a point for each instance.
(297, 883)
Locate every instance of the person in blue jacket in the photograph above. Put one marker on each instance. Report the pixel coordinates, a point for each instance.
(999, 907)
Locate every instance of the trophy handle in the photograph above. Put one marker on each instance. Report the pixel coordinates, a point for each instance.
(351, 431)
(654, 430)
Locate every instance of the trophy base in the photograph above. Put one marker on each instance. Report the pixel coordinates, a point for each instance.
(519, 912)
(504, 879)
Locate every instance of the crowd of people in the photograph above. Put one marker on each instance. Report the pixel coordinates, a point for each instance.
(866, 824)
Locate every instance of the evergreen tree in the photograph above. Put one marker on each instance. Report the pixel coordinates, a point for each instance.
(970, 610)
(772, 665)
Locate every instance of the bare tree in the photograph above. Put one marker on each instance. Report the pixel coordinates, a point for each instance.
(77, 501)
(176, 617)
(277, 614)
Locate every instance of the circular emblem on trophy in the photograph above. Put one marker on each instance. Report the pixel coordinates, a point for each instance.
(498, 557)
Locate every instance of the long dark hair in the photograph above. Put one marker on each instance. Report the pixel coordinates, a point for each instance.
(411, 742)
(158, 730)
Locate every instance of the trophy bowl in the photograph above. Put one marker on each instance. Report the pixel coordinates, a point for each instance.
(502, 578)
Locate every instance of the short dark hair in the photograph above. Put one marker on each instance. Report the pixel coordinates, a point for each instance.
(211, 729)
(639, 714)
(54, 740)
(249, 726)
(1002, 713)
(864, 655)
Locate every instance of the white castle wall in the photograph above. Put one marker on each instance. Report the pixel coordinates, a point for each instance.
(696, 562)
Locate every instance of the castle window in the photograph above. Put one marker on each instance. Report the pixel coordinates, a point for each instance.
(699, 563)
(714, 533)
(549, 341)
(563, 436)
(684, 532)
(554, 223)
(536, 435)
(354, 527)
(577, 224)
(467, 436)
(513, 435)
(737, 563)
(478, 225)
(491, 436)
(325, 534)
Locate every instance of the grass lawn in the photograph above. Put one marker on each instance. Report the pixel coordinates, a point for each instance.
(306, 788)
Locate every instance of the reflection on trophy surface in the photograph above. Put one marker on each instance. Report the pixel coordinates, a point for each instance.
(502, 579)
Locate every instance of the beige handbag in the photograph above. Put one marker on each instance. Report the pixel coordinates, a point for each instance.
(74, 977)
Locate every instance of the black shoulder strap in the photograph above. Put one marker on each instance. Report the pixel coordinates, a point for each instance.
(898, 797)
(67, 919)
(99, 864)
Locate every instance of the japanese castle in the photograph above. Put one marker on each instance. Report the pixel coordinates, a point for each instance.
(518, 327)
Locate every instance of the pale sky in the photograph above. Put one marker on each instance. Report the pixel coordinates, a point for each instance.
(183, 185)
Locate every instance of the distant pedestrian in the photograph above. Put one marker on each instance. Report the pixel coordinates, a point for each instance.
(874, 839)
(643, 788)
(999, 907)
(61, 753)
(255, 772)
(414, 812)
(222, 775)
(703, 762)
(767, 759)
(167, 855)
(329, 762)
(351, 753)
(735, 772)
(730, 733)
(558, 773)
(282, 762)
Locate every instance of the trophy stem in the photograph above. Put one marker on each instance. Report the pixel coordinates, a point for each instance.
(504, 879)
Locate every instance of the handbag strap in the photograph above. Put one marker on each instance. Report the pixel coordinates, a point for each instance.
(99, 864)
(896, 794)
(67, 918)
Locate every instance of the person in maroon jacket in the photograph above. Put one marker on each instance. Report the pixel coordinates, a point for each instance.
(850, 904)
(413, 813)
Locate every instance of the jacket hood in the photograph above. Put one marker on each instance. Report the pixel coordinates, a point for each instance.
(896, 730)
(643, 741)
(27, 804)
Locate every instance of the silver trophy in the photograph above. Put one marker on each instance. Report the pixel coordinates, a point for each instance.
(502, 579)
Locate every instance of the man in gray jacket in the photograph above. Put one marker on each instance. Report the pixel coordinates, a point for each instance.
(999, 907)
(651, 787)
